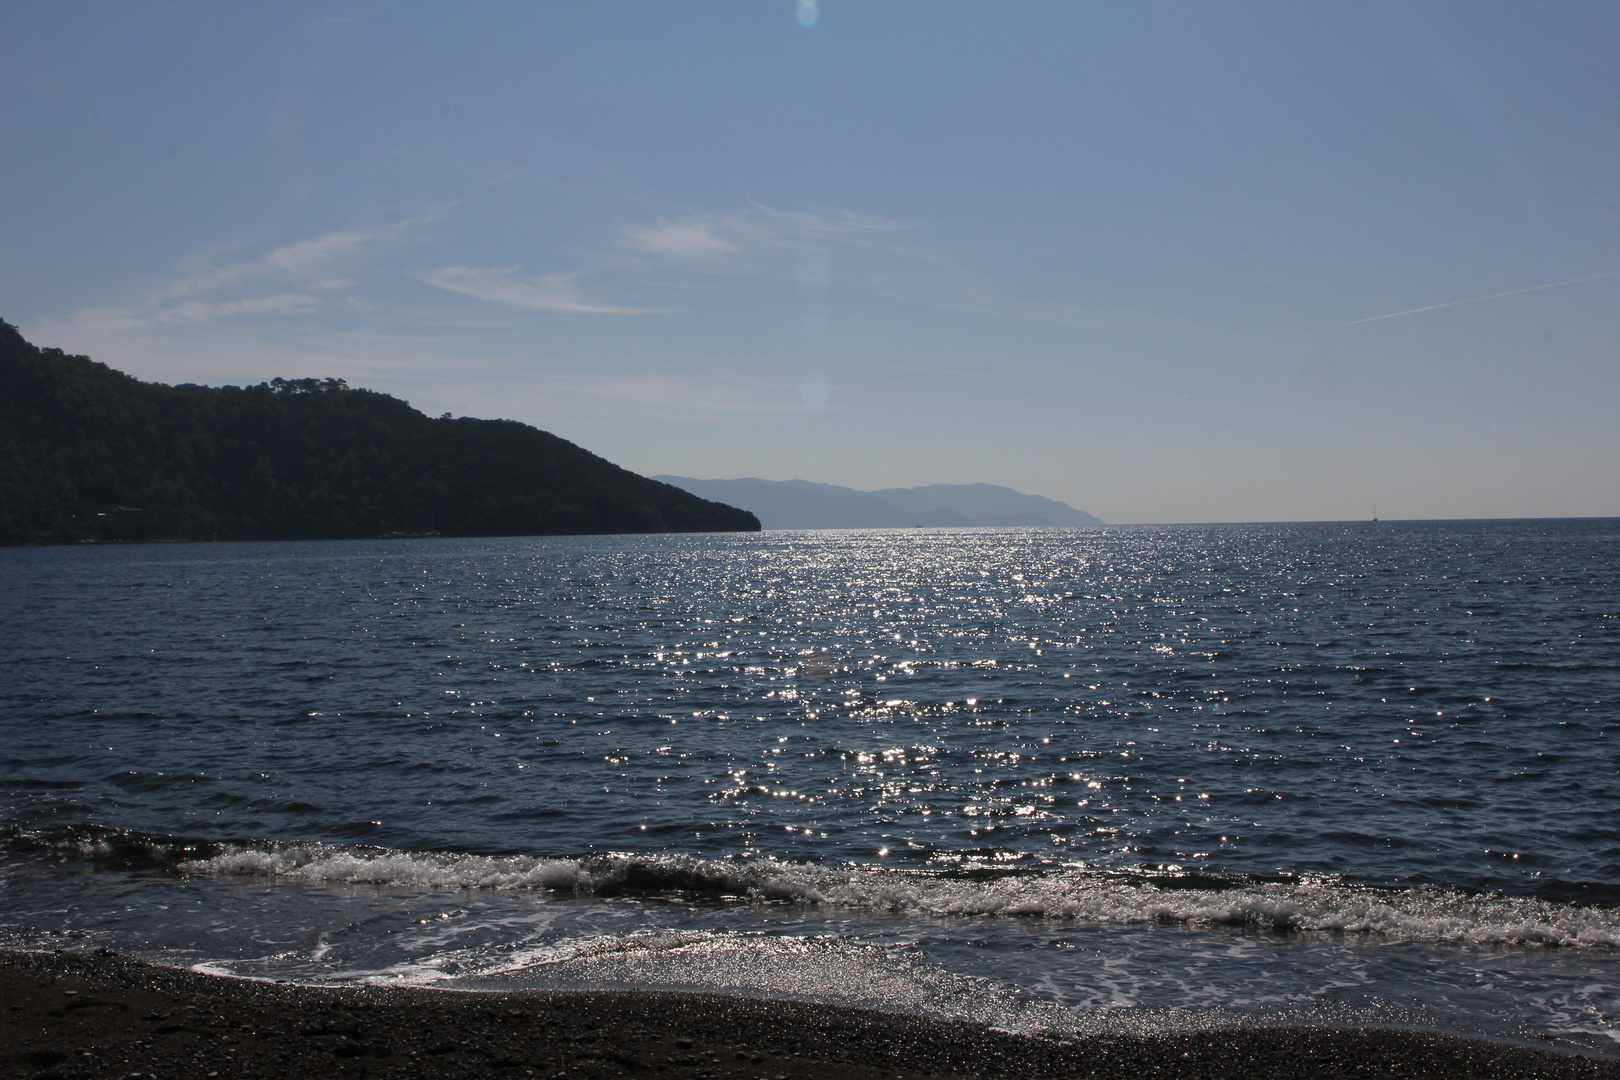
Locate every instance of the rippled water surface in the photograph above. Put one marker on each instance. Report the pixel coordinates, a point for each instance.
(1043, 777)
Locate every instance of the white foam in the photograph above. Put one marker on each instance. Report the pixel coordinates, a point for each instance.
(807, 968)
(1419, 914)
(316, 864)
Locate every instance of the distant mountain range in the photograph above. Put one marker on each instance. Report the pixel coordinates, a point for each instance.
(800, 504)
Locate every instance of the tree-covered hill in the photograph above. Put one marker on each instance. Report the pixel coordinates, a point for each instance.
(89, 453)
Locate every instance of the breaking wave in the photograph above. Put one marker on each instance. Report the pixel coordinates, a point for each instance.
(1287, 906)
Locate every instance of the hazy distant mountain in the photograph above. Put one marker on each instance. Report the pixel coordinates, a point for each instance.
(800, 504)
(986, 504)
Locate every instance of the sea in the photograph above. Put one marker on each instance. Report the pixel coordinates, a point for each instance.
(1068, 781)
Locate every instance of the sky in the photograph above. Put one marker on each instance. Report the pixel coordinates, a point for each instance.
(1164, 262)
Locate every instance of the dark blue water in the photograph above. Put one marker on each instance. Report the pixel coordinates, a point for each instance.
(1039, 776)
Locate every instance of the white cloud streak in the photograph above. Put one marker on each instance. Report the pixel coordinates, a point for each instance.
(822, 250)
(755, 231)
(679, 240)
(282, 283)
(554, 292)
(306, 258)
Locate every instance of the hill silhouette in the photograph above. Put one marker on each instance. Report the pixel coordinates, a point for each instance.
(89, 453)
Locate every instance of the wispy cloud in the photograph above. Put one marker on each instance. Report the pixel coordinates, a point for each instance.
(307, 259)
(553, 292)
(198, 311)
(679, 239)
(757, 230)
(1488, 296)
(100, 323)
(820, 250)
(287, 282)
(817, 222)
(295, 307)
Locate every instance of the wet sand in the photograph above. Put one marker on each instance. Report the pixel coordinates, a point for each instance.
(76, 1015)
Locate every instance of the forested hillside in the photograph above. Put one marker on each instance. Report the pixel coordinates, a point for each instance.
(89, 453)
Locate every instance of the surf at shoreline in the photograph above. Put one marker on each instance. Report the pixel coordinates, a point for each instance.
(1296, 904)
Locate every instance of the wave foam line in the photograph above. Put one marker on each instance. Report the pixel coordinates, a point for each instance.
(1416, 914)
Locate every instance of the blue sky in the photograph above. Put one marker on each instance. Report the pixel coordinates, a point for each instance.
(1128, 256)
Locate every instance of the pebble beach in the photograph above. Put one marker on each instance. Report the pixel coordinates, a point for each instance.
(70, 1015)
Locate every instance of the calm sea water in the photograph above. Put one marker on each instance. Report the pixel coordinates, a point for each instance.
(1054, 779)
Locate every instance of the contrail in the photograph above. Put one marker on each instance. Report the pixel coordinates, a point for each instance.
(1492, 296)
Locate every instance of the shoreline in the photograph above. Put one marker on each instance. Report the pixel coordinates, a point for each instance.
(77, 1015)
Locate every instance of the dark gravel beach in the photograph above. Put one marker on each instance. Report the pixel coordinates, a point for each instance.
(73, 1015)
